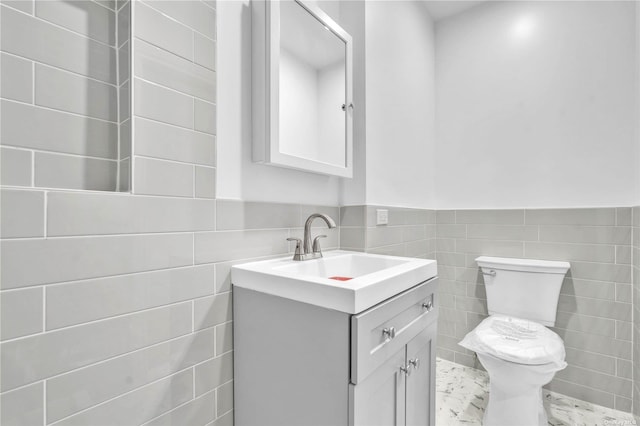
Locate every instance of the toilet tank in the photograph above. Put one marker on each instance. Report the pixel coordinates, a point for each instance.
(523, 288)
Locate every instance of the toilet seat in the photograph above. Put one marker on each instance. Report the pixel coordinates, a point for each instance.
(517, 340)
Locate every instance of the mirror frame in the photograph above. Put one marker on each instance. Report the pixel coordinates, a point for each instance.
(266, 89)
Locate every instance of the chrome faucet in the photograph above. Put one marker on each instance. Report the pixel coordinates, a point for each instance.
(311, 250)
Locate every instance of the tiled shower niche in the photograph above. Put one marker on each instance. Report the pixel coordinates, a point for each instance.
(65, 112)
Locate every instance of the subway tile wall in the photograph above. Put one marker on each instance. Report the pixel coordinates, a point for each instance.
(116, 308)
(123, 70)
(409, 232)
(127, 320)
(174, 92)
(127, 336)
(64, 94)
(106, 316)
(595, 308)
(636, 309)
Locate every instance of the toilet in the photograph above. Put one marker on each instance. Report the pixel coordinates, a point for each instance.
(514, 344)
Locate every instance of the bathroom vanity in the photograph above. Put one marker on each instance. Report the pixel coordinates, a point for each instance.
(311, 350)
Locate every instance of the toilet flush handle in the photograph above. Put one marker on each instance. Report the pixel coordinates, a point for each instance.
(491, 273)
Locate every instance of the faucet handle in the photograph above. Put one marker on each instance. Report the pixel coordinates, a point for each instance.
(298, 254)
(316, 243)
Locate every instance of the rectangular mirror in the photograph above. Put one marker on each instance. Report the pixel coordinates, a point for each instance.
(65, 94)
(302, 88)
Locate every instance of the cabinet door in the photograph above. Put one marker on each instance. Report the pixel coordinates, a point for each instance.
(379, 400)
(421, 390)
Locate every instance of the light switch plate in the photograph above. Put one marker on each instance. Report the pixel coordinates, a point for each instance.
(382, 216)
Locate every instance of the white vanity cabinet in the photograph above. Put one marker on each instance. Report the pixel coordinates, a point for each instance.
(298, 364)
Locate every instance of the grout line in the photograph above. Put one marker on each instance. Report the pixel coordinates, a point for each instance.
(102, 5)
(112, 358)
(35, 150)
(150, 5)
(77, 74)
(94, 321)
(171, 89)
(60, 27)
(131, 312)
(208, 5)
(133, 234)
(153, 120)
(94, 191)
(58, 111)
(18, 289)
(124, 4)
(177, 162)
(123, 44)
(122, 395)
(179, 406)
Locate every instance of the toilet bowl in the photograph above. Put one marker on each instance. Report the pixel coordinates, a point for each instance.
(519, 364)
(513, 344)
(515, 402)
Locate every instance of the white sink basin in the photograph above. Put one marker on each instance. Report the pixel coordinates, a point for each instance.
(372, 278)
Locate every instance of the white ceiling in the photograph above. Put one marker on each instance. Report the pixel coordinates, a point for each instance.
(439, 9)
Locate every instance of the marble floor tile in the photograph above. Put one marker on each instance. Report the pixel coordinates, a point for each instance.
(462, 394)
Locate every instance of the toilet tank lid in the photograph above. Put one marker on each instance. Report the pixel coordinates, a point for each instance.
(530, 265)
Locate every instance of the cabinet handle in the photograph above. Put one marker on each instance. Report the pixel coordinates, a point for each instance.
(406, 370)
(389, 333)
(428, 305)
(415, 363)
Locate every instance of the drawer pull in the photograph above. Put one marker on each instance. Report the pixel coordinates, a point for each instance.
(428, 305)
(406, 370)
(389, 333)
(415, 363)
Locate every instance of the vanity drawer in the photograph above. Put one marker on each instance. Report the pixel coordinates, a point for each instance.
(380, 331)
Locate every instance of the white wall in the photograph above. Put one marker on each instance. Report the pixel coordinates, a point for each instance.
(535, 105)
(237, 176)
(400, 104)
(396, 164)
(352, 20)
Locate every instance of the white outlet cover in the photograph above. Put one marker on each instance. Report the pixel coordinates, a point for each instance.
(382, 217)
